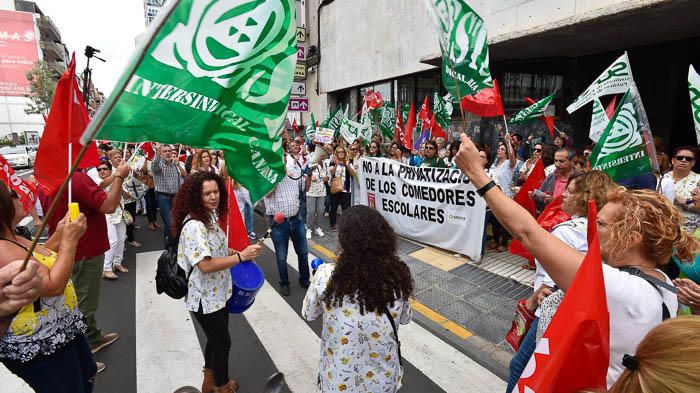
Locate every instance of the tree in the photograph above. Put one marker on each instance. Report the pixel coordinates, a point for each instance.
(42, 83)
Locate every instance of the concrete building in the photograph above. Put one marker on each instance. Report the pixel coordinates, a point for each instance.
(50, 49)
(536, 46)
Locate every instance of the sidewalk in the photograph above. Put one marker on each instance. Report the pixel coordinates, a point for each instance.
(479, 298)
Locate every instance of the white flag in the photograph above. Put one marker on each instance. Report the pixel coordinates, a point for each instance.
(614, 80)
(599, 120)
(694, 87)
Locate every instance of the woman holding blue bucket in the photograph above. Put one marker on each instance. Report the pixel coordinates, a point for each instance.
(363, 298)
(203, 254)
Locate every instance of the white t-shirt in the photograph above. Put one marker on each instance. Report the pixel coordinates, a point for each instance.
(635, 308)
(668, 188)
(575, 234)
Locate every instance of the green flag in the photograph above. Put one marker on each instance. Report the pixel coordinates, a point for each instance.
(694, 87)
(599, 120)
(442, 108)
(311, 129)
(534, 111)
(615, 79)
(387, 121)
(464, 47)
(333, 120)
(405, 110)
(621, 151)
(211, 74)
(351, 130)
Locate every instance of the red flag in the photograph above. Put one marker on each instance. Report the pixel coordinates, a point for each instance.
(25, 190)
(486, 103)
(295, 127)
(399, 128)
(610, 109)
(410, 125)
(424, 114)
(579, 333)
(436, 130)
(547, 120)
(533, 182)
(552, 216)
(148, 150)
(67, 121)
(373, 99)
(233, 224)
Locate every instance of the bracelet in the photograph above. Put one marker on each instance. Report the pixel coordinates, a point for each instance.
(483, 190)
(238, 254)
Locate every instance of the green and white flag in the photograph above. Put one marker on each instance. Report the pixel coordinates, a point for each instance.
(387, 120)
(464, 47)
(351, 130)
(211, 74)
(599, 120)
(442, 108)
(621, 151)
(405, 110)
(534, 111)
(614, 80)
(333, 120)
(311, 129)
(694, 87)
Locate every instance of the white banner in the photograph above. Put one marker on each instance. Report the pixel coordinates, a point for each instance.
(599, 120)
(435, 206)
(694, 88)
(324, 135)
(614, 80)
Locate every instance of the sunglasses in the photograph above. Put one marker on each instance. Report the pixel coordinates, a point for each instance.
(429, 148)
(538, 150)
(353, 149)
(103, 169)
(684, 158)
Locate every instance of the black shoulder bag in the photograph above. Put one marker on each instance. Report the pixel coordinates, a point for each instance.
(170, 277)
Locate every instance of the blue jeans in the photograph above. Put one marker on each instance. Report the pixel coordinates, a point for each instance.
(248, 217)
(295, 229)
(302, 206)
(69, 370)
(519, 361)
(165, 203)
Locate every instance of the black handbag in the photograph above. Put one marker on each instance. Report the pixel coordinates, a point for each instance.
(170, 277)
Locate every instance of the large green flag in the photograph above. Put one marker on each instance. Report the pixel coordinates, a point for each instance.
(464, 47)
(694, 87)
(534, 111)
(387, 120)
(211, 74)
(311, 129)
(621, 151)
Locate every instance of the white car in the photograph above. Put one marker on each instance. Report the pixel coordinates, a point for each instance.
(19, 156)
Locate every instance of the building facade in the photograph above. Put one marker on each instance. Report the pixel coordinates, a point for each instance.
(536, 47)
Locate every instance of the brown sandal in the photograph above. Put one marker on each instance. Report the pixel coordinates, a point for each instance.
(121, 268)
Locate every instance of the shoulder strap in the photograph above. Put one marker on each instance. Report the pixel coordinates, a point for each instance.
(656, 283)
(386, 312)
(15, 243)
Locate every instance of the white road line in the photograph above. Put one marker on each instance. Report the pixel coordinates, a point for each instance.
(440, 362)
(11, 383)
(168, 354)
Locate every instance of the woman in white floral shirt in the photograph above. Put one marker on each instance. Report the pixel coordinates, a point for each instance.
(685, 181)
(203, 254)
(359, 345)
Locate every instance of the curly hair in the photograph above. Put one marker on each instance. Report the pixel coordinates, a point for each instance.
(666, 360)
(594, 185)
(197, 159)
(188, 200)
(369, 272)
(658, 222)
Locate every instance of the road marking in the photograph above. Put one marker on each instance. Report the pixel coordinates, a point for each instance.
(450, 369)
(11, 383)
(441, 320)
(168, 354)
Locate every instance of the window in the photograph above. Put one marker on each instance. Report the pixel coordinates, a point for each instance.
(517, 86)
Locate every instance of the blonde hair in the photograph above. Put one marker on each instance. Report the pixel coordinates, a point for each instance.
(594, 185)
(667, 360)
(114, 152)
(657, 221)
(197, 159)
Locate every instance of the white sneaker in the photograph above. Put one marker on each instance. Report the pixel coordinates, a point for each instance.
(319, 232)
(308, 233)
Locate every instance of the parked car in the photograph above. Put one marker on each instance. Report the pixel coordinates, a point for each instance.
(19, 156)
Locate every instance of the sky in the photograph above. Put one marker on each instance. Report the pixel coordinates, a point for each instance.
(108, 25)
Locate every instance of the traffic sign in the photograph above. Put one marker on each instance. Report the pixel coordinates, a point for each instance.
(301, 34)
(298, 104)
(301, 52)
(298, 88)
(300, 71)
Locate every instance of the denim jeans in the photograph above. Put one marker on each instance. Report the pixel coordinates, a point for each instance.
(302, 206)
(519, 361)
(165, 203)
(248, 217)
(291, 228)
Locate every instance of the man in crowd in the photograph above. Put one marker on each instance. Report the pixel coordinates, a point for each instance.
(555, 184)
(89, 255)
(519, 147)
(284, 198)
(167, 175)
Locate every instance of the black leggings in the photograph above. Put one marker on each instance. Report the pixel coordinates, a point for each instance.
(341, 199)
(215, 326)
(131, 208)
(151, 205)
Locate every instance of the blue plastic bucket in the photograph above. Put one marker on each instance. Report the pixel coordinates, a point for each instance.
(247, 278)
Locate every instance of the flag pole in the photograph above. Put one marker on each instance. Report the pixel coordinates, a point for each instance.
(459, 96)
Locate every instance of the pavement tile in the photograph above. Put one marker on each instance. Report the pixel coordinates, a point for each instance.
(416, 266)
(457, 286)
(485, 300)
(436, 298)
(420, 285)
(461, 312)
(490, 327)
(435, 276)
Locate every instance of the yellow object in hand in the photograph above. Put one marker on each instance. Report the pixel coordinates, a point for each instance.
(74, 210)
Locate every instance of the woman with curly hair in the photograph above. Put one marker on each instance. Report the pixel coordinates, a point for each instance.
(361, 298)
(203, 162)
(203, 254)
(638, 232)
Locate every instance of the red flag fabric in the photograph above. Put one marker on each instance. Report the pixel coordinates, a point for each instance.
(25, 190)
(233, 225)
(552, 216)
(373, 99)
(424, 114)
(436, 130)
(148, 150)
(610, 109)
(486, 103)
(399, 128)
(547, 120)
(67, 121)
(578, 334)
(533, 182)
(410, 125)
(295, 127)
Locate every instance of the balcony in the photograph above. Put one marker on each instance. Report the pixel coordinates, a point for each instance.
(56, 67)
(53, 51)
(49, 31)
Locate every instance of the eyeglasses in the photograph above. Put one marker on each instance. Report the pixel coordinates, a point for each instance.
(353, 149)
(684, 158)
(373, 147)
(429, 148)
(103, 169)
(538, 150)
